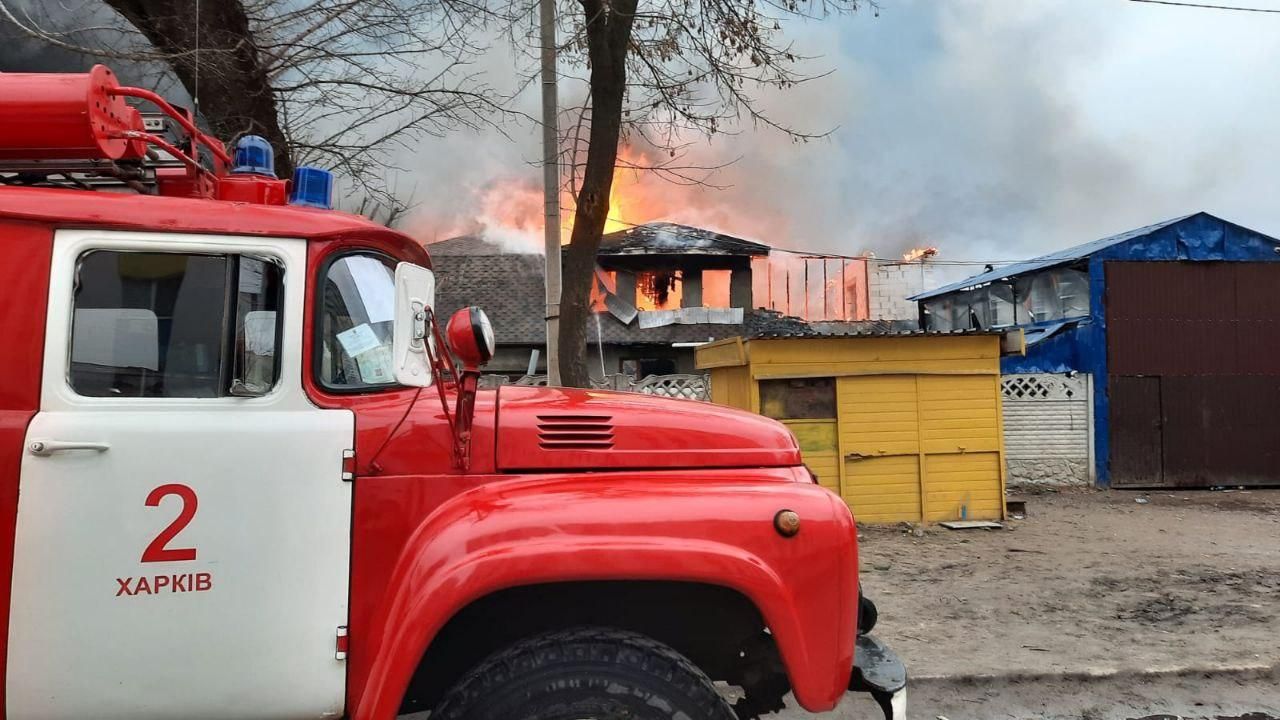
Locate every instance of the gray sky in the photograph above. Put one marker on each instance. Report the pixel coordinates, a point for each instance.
(993, 129)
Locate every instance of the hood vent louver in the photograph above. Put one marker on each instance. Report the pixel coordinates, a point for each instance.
(575, 432)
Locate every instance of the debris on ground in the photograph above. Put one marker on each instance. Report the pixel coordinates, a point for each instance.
(971, 525)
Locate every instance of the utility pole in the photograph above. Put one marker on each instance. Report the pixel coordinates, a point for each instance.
(551, 185)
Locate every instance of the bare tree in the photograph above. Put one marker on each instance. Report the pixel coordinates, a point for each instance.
(659, 73)
(349, 83)
(345, 84)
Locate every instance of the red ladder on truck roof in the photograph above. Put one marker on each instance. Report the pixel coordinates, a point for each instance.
(76, 131)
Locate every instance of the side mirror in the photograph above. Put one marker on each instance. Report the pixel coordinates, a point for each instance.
(411, 331)
(471, 338)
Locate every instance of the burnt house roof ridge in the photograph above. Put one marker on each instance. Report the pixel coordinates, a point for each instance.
(668, 238)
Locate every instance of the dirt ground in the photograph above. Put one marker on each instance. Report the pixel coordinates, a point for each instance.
(1226, 696)
(1090, 581)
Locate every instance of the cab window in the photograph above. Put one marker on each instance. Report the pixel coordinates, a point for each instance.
(179, 325)
(356, 310)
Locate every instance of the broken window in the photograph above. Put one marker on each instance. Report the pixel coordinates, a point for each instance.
(641, 368)
(1057, 294)
(1073, 288)
(798, 398)
(715, 288)
(985, 308)
(1000, 306)
(937, 313)
(969, 309)
(658, 289)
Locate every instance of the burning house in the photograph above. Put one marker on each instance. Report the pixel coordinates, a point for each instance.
(662, 289)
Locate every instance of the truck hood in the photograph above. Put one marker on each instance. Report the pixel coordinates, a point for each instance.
(564, 428)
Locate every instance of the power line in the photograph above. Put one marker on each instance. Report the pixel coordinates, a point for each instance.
(1204, 6)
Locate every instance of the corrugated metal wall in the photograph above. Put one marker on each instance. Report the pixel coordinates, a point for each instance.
(1046, 428)
(1193, 353)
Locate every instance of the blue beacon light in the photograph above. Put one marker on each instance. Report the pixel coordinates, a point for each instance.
(254, 156)
(312, 187)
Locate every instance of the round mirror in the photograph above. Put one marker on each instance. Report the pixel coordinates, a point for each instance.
(471, 337)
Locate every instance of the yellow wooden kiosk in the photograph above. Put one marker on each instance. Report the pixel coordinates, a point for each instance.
(904, 426)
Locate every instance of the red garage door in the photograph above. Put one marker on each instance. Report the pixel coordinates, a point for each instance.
(1193, 353)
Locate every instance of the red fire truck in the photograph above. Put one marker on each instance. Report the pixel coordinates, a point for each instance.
(245, 473)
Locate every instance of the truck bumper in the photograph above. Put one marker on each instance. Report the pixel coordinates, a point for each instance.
(878, 671)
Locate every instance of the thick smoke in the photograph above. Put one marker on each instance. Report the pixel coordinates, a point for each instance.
(993, 130)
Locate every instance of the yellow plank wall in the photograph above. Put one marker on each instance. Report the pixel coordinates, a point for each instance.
(960, 438)
(919, 434)
(818, 440)
(880, 444)
(732, 386)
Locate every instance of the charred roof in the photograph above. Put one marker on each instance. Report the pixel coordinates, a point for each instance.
(664, 238)
(510, 289)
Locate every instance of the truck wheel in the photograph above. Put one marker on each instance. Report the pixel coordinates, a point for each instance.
(867, 613)
(584, 674)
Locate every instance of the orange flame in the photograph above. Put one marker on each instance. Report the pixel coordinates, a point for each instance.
(511, 211)
(627, 206)
(919, 253)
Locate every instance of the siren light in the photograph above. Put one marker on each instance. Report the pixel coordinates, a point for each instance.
(254, 156)
(312, 187)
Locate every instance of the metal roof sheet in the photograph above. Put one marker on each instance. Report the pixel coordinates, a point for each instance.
(1060, 257)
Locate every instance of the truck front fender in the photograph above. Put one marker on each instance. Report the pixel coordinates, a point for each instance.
(714, 528)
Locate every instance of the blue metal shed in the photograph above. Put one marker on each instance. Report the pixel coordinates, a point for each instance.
(1181, 335)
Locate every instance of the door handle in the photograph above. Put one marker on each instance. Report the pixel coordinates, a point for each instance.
(45, 448)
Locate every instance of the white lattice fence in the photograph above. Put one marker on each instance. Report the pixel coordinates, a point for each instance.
(1044, 387)
(1047, 434)
(683, 387)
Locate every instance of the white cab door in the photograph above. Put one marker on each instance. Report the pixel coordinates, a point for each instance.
(181, 551)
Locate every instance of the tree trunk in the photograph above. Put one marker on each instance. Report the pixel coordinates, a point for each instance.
(608, 30)
(231, 70)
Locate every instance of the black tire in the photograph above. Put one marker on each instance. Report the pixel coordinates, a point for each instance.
(867, 613)
(594, 673)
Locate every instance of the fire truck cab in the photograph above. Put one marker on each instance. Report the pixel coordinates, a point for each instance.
(246, 473)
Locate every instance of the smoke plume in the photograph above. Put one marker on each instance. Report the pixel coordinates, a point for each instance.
(991, 130)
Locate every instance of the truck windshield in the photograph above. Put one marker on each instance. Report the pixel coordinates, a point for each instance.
(355, 318)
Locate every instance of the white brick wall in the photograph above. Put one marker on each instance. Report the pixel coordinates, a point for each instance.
(890, 283)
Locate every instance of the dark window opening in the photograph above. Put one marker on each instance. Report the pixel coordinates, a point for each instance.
(798, 398)
(641, 368)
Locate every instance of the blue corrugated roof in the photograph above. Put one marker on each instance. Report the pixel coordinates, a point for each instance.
(1060, 257)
